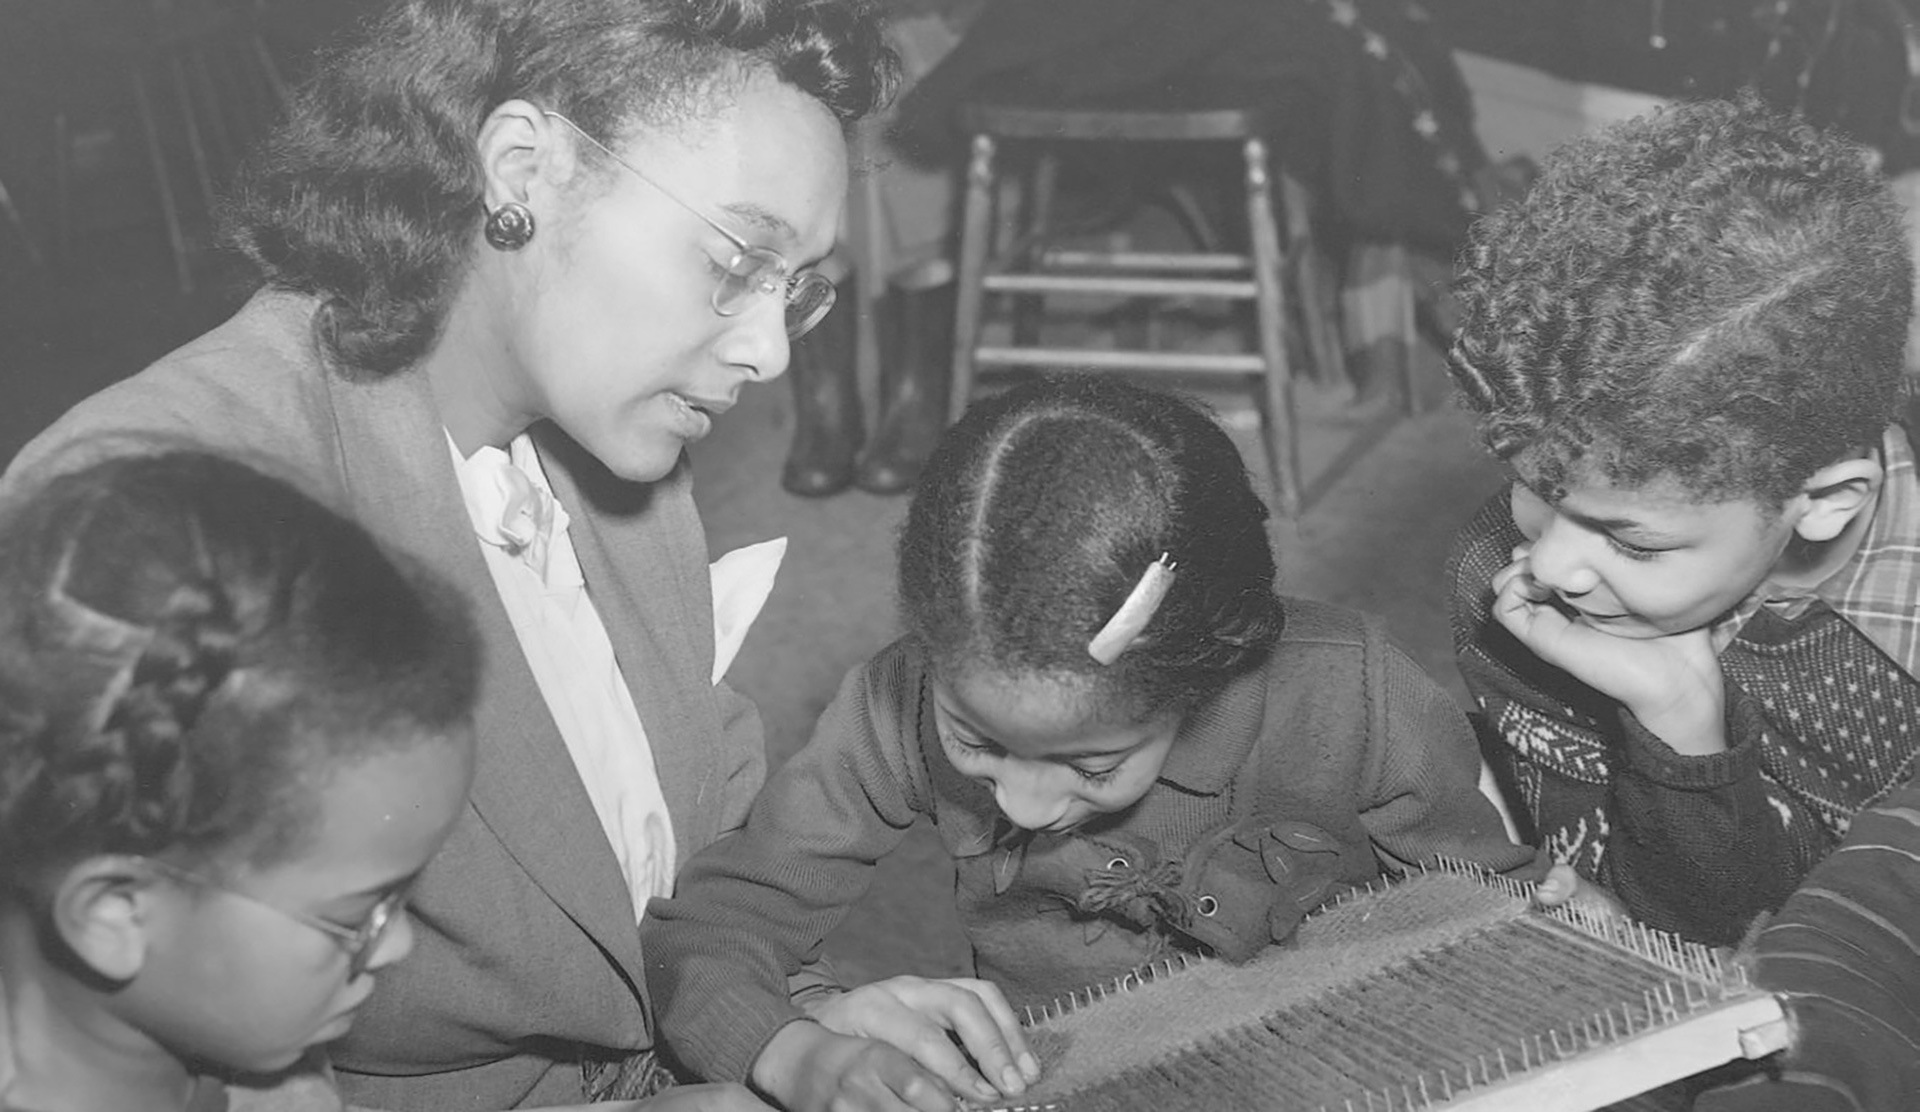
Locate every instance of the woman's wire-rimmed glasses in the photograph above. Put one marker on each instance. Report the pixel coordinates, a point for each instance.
(753, 271)
(358, 942)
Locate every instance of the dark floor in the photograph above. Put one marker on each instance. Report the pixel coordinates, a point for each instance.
(1374, 540)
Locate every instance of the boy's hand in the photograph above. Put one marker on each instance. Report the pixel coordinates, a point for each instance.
(1672, 683)
(1564, 887)
(807, 1068)
(923, 1018)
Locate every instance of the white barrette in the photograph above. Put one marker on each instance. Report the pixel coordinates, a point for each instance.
(1121, 630)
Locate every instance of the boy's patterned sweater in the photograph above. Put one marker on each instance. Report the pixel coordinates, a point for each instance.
(1823, 729)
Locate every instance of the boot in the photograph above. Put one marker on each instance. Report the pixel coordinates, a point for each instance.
(827, 429)
(916, 373)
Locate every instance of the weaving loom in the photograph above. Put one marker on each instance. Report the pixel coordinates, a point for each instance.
(1444, 990)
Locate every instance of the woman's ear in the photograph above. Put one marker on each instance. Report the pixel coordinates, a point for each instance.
(1836, 494)
(101, 910)
(522, 151)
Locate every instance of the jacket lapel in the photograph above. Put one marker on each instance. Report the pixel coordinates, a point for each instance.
(526, 789)
(643, 552)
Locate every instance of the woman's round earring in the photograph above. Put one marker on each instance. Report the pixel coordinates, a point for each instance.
(509, 227)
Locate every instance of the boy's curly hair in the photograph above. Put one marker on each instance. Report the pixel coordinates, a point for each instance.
(1715, 293)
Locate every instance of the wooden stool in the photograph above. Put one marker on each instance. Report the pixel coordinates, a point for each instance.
(1257, 275)
(200, 77)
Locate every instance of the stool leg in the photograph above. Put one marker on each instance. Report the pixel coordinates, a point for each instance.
(196, 144)
(971, 292)
(143, 101)
(866, 229)
(221, 142)
(1319, 300)
(1379, 319)
(269, 69)
(1283, 446)
(19, 226)
(1409, 330)
(1036, 212)
(62, 190)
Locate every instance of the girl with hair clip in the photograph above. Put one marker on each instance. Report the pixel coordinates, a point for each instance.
(1126, 740)
(232, 732)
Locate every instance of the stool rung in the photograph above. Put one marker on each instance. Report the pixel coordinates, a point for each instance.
(1121, 287)
(1108, 359)
(1189, 261)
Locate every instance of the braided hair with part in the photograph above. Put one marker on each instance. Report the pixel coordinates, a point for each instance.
(188, 648)
(1036, 516)
(369, 195)
(1716, 294)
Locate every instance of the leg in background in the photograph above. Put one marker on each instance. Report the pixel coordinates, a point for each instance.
(915, 375)
(827, 428)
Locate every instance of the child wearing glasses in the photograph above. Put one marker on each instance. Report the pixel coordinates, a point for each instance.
(232, 732)
(1128, 743)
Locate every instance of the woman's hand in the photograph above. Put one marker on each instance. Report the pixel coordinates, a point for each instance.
(1671, 683)
(923, 1018)
(807, 1068)
(1565, 888)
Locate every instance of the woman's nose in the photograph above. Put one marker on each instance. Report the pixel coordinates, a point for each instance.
(758, 340)
(1027, 805)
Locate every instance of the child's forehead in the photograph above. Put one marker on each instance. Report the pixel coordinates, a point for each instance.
(1042, 699)
(1614, 503)
(1555, 480)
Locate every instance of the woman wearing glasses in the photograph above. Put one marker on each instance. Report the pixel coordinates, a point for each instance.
(232, 731)
(517, 254)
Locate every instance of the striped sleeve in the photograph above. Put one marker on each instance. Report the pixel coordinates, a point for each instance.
(1844, 954)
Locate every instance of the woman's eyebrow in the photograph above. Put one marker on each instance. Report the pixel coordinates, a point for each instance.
(763, 218)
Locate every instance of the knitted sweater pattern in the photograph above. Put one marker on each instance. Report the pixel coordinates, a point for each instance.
(1821, 723)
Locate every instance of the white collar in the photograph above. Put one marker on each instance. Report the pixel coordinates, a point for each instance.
(512, 507)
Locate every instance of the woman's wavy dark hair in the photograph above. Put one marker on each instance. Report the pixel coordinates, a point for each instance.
(1716, 293)
(187, 647)
(1039, 511)
(369, 196)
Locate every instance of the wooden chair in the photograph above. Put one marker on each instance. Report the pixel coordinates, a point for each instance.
(1022, 265)
(203, 86)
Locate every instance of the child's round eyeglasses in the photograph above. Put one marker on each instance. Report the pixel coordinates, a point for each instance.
(358, 941)
(753, 271)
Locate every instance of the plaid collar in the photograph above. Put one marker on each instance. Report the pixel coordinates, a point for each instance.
(1878, 589)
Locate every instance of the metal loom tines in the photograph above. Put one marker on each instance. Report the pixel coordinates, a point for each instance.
(1445, 989)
